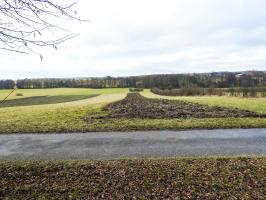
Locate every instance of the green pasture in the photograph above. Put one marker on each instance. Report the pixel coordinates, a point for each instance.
(77, 108)
(252, 104)
(56, 92)
(28, 97)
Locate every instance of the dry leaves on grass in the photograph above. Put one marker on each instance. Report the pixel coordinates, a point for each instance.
(224, 178)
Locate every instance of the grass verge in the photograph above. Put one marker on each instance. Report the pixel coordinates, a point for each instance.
(206, 178)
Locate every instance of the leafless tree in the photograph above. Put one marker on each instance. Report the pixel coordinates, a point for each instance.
(26, 24)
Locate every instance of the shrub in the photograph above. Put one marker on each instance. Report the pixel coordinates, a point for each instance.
(194, 91)
(135, 89)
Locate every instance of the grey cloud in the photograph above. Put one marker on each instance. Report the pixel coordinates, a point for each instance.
(159, 37)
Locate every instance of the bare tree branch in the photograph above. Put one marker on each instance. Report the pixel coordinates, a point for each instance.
(24, 24)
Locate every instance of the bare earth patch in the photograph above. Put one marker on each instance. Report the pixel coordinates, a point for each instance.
(223, 178)
(137, 106)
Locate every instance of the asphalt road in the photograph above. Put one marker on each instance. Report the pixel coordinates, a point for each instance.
(113, 145)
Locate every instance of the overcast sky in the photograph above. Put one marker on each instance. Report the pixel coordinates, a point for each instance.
(137, 37)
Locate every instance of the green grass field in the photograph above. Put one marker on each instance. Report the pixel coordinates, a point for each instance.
(42, 100)
(253, 104)
(57, 92)
(72, 115)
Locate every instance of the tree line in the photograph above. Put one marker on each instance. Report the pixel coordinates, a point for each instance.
(161, 81)
(195, 91)
(7, 84)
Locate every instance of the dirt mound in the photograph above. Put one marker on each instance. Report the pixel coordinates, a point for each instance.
(137, 106)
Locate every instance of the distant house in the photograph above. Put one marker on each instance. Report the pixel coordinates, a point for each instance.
(239, 75)
(246, 74)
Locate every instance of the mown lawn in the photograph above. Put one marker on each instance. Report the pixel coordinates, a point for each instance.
(206, 178)
(83, 115)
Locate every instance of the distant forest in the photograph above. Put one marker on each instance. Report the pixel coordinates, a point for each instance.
(162, 81)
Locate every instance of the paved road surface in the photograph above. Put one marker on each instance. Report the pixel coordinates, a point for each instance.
(140, 144)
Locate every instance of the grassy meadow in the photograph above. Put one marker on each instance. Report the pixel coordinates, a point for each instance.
(252, 104)
(72, 110)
